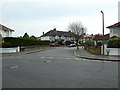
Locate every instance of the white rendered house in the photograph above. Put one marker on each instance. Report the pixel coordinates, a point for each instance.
(5, 31)
(114, 30)
(55, 35)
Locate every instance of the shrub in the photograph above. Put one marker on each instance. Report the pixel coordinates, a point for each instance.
(68, 42)
(60, 43)
(89, 43)
(6, 44)
(95, 50)
(113, 42)
(25, 41)
(44, 42)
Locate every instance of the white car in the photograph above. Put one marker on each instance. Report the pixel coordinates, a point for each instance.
(71, 45)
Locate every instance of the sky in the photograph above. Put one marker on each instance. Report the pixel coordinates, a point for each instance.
(37, 16)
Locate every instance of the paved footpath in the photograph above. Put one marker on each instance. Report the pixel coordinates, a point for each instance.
(29, 50)
(82, 53)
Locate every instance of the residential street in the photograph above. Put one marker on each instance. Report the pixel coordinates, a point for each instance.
(57, 68)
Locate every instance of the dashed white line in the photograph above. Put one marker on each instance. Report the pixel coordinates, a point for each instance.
(16, 66)
(67, 58)
(50, 57)
(42, 57)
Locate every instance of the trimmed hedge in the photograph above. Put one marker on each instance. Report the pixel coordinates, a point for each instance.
(6, 44)
(23, 42)
(113, 43)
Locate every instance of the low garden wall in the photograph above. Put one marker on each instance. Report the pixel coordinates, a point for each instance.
(10, 50)
(110, 51)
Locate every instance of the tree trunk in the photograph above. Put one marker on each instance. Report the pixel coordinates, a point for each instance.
(77, 44)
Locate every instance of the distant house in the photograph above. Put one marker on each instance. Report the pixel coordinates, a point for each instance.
(55, 35)
(114, 30)
(5, 31)
(87, 37)
(98, 38)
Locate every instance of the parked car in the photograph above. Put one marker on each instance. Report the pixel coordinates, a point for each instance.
(71, 45)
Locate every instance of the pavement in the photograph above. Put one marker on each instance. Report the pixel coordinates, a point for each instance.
(28, 50)
(82, 53)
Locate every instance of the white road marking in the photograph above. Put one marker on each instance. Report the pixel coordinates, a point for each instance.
(16, 66)
(48, 61)
(67, 58)
(50, 57)
(42, 57)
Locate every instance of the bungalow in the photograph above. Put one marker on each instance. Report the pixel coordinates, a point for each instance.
(55, 35)
(114, 30)
(5, 31)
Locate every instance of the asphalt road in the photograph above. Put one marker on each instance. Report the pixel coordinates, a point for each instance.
(57, 68)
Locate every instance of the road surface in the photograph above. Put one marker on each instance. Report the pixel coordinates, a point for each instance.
(57, 68)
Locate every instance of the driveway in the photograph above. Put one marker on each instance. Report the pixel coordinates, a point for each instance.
(57, 68)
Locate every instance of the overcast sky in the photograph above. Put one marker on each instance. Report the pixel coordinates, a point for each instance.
(36, 16)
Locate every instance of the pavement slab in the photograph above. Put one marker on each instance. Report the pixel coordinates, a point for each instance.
(82, 53)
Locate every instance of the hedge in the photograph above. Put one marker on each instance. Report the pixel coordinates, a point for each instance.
(23, 42)
(113, 43)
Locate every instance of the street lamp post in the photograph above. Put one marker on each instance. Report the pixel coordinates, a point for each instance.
(103, 29)
(82, 37)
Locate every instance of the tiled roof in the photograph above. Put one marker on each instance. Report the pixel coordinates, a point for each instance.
(55, 32)
(115, 25)
(5, 28)
(88, 36)
(101, 37)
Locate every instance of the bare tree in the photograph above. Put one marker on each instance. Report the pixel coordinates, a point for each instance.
(78, 31)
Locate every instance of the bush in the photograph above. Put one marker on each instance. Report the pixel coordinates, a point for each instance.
(6, 44)
(95, 50)
(44, 42)
(88, 43)
(68, 42)
(114, 43)
(25, 42)
(60, 43)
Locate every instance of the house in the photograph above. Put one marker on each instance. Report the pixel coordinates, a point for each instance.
(98, 38)
(114, 29)
(5, 31)
(55, 35)
(87, 37)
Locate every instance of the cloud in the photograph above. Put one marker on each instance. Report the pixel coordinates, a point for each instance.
(36, 16)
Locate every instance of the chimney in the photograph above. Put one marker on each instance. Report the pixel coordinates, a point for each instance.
(54, 29)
